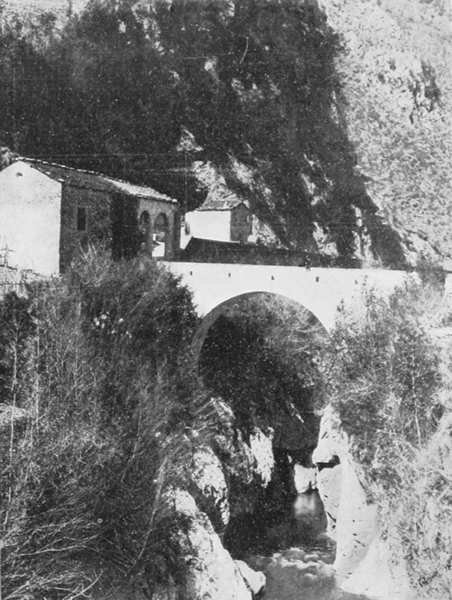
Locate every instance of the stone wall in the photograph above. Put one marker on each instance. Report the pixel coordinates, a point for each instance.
(240, 223)
(96, 205)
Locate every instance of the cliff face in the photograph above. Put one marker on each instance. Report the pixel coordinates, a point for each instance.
(396, 99)
(333, 119)
(364, 563)
(391, 108)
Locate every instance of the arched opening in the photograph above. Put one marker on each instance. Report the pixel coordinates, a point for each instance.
(229, 305)
(161, 237)
(144, 227)
(258, 355)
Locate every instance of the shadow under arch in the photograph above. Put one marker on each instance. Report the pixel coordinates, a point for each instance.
(258, 359)
(222, 309)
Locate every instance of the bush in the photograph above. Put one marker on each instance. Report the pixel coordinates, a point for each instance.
(384, 379)
(389, 385)
(103, 370)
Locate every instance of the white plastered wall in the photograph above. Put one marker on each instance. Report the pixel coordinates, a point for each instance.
(209, 225)
(30, 217)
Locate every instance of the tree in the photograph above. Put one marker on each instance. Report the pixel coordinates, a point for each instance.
(102, 368)
(253, 81)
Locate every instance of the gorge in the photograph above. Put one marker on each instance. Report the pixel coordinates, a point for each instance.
(278, 484)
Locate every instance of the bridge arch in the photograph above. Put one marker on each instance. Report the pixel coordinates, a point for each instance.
(222, 308)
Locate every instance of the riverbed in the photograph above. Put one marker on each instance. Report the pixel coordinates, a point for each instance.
(302, 569)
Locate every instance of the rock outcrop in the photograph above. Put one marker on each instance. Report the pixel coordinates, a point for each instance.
(209, 486)
(255, 580)
(304, 478)
(363, 564)
(205, 569)
(197, 513)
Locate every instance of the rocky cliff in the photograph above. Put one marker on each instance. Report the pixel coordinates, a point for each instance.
(364, 564)
(333, 119)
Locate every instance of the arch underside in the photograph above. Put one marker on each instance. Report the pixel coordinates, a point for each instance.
(221, 309)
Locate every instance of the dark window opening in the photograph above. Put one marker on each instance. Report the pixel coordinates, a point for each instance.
(160, 237)
(333, 462)
(81, 218)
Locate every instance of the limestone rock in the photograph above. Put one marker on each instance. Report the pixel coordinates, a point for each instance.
(377, 577)
(249, 463)
(329, 485)
(353, 521)
(331, 446)
(363, 564)
(210, 486)
(261, 446)
(304, 478)
(255, 580)
(206, 569)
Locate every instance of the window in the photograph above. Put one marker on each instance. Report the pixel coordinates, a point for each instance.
(161, 228)
(81, 218)
(144, 227)
(144, 221)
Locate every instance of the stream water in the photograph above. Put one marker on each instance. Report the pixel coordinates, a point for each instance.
(301, 568)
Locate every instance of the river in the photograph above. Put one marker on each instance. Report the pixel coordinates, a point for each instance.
(301, 568)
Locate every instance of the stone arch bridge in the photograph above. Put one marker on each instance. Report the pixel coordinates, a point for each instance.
(319, 290)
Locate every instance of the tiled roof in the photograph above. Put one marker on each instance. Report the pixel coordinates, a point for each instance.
(221, 198)
(95, 181)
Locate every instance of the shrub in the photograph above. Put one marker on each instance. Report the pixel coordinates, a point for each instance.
(105, 376)
(384, 379)
(387, 379)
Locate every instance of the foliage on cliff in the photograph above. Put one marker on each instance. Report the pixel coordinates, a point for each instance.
(100, 364)
(317, 116)
(390, 385)
(396, 86)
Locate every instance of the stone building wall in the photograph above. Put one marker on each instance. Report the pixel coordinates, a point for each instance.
(96, 208)
(240, 223)
(159, 212)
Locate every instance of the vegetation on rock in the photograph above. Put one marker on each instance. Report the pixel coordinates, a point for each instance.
(388, 380)
(100, 363)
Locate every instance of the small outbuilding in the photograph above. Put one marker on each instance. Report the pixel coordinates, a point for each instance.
(48, 212)
(224, 217)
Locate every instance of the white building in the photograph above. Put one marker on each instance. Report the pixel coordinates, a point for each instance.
(223, 217)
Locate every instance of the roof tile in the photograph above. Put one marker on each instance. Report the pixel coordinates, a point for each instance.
(95, 181)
